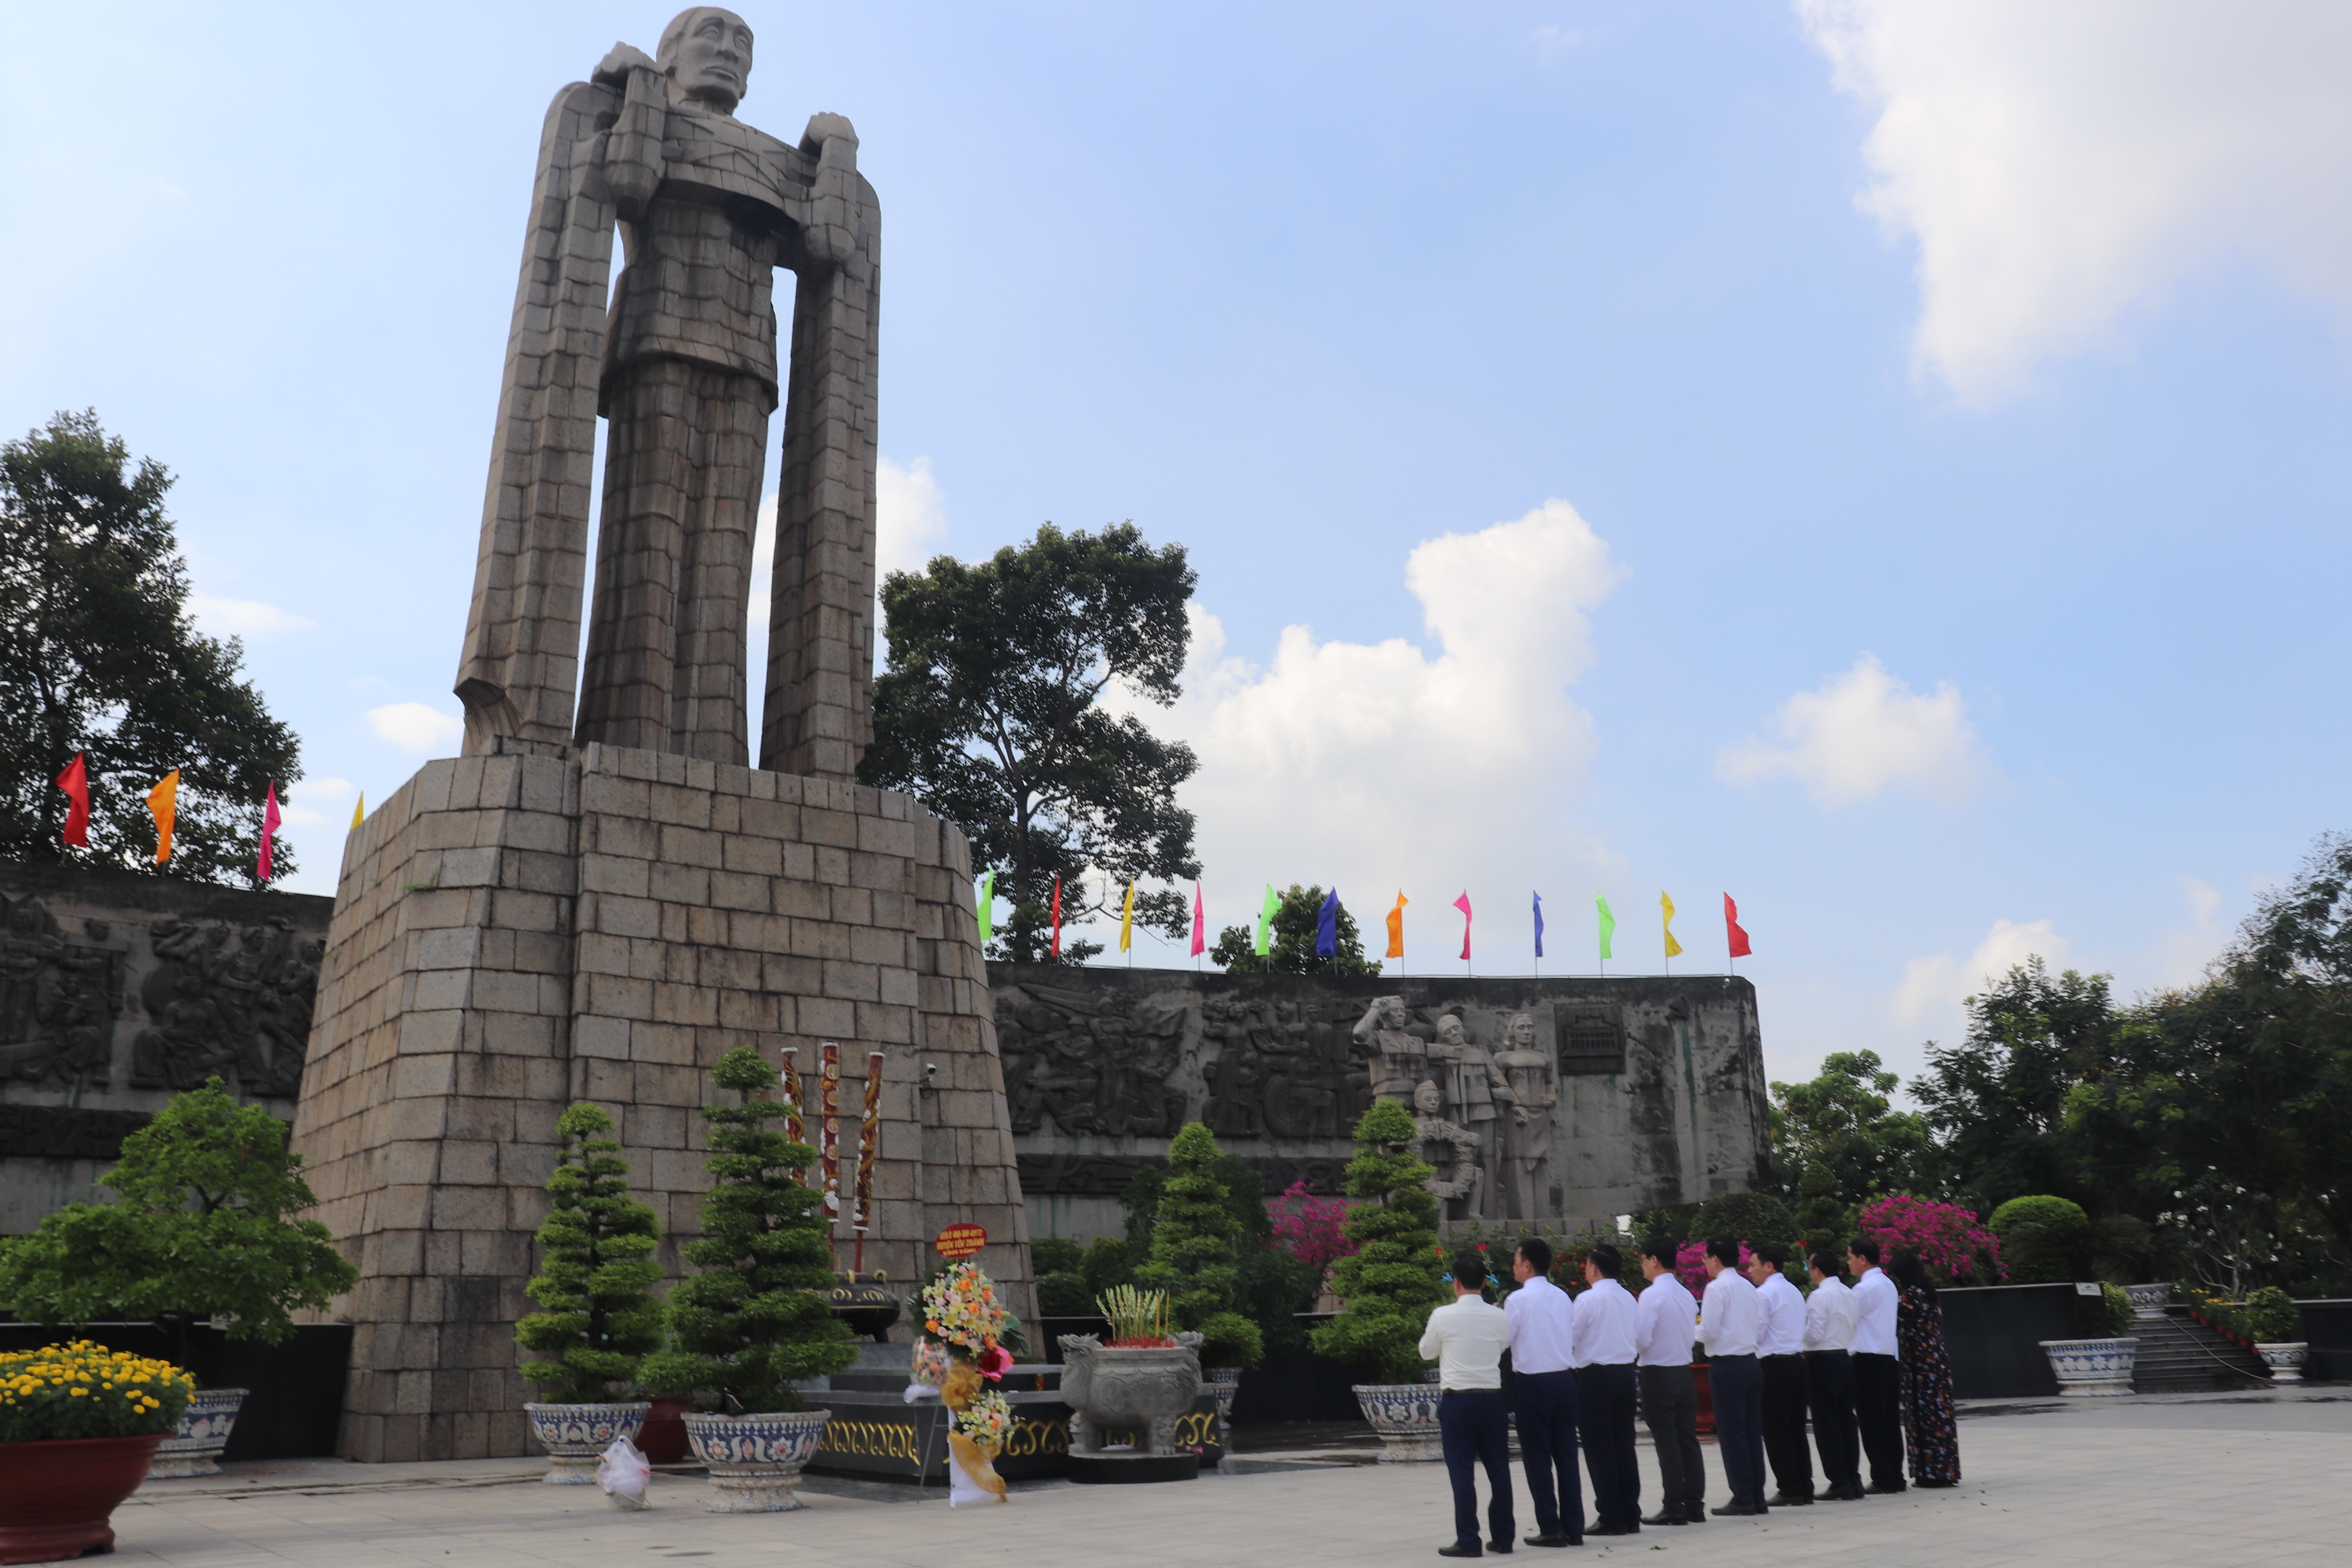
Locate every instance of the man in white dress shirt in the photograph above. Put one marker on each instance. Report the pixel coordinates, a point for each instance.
(1665, 1321)
(1604, 1393)
(1466, 1341)
(1543, 1383)
(1781, 1351)
(1829, 1380)
(1728, 1322)
(1877, 1376)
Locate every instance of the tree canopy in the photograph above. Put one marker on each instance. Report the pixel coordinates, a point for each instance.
(1840, 1133)
(1297, 918)
(992, 711)
(97, 656)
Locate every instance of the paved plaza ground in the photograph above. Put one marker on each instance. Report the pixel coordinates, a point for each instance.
(2259, 1477)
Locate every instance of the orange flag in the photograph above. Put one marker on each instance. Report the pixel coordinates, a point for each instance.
(163, 800)
(1396, 926)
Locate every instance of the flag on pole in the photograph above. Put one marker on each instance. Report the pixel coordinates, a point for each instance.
(1057, 917)
(1733, 929)
(359, 811)
(1199, 922)
(269, 820)
(163, 804)
(1396, 926)
(1126, 918)
(75, 782)
(1265, 922)
(1667, 923)
(988, 907)
(1608, 925)
(1327, 927)
(1463, 903)
(1539, 924)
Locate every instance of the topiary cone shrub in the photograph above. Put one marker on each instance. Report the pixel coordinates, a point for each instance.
(2042, 1238)
(597, 1264)
(1389, 1283)
(1192, 1253)
(754, 1321)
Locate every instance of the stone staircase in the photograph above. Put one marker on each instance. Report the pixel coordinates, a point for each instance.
(2179, 1355)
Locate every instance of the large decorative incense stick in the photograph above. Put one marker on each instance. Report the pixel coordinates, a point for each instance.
(795, 1128)
(869, 1143)
(829, 1129)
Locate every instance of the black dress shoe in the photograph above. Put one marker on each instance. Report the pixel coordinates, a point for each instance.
(1886, 1489)
(1738, 1509)
(1782, 1500)
(1461, 1549)
(1615, 1530)
(1503, 1545)
(1842, 1494)
(1555, 1539)
(1693, 1513)
(1664, 1516)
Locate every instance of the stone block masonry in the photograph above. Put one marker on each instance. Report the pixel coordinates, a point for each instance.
(513, 932)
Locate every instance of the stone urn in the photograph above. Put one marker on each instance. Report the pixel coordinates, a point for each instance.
(755, 1460)
(575, 1434)
(2147, 1300)
(1404, 1417)
(1140, 1389)
(2091, 1368)
(2285, 1360)
(195, 1448)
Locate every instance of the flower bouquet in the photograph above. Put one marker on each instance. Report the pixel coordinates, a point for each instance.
(963, 1322)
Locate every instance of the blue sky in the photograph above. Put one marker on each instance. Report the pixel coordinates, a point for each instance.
(1885, 461)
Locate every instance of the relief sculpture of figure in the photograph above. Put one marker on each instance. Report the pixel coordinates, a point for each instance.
(1458, 1182)
(684, 364)
(1399, 1060)
(1473, 1085)
(1535, 1084)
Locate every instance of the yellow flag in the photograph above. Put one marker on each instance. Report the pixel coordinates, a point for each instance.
(1396, 926)
(1127, 919)
(359, 811)
(1667, 921)
(163, 800)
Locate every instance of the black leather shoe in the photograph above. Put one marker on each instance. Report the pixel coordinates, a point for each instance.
(1615, 1530)
(1693, 1513)
(1461, 1549)
(1886, 1489)
(1782, 1500)
(1842, 1494)
(1503, 1545)
(1555, 1541)
(1738, 1510)
(1664, 1516)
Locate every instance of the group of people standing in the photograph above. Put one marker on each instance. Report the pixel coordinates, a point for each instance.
(1864, 1363)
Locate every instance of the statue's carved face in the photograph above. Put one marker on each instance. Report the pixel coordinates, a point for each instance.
(707, 52)
(1521, 1033)
(1426, 1100)
(1449, 1030)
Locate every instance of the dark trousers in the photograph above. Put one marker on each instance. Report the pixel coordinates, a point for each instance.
(1605, 1398)
(1546, 1402)
(1670, 1408)
(1784, 1424)
(1877, 1397)
(1738, 1385)
(1829, 1389)
(1475, 1429)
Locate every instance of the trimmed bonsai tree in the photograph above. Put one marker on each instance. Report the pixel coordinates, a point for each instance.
(1192, 1253)
(597, 1264)
(2042, 1238)
(198, 1230)
(1388, 1282)
(754, 1321)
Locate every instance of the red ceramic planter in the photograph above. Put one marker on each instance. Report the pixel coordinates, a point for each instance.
(1706, 1397)
(56, 1498)
(661, 1438)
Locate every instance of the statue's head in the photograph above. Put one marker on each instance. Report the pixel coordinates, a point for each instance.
(1449, 1030)
(1426, 1100)
(1519, 1034)
(1392, 1012)
(706, 53)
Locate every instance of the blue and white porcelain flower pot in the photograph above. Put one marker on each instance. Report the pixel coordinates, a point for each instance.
(2147, 1300)
(2090, 1368)
(2284, 1358)
(575, 1434)
(1404, 1415)
(755, 1460)
(195, 1448)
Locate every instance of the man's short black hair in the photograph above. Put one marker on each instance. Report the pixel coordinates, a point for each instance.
(1829, 1263)
(1773, 1253)
(1864, 1248)
(1469, 1269)
(1661, 1247)
(1724, 1249)
(1537, 1252)
(1606, 1258)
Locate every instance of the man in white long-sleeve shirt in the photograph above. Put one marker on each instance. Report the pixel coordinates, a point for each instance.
(1665, 1320)
(1781, 1351)
(1543, 1381)
(1877, 1378)
(1728, 1322)
(1604, 1393)
(1466, 1341)
(1829, 1380)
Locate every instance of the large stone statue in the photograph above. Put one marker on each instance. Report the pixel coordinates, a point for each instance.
(1456, 1180)
(1472, 1084)
(1399, 1060)
(1535, 1083)
(685, 365)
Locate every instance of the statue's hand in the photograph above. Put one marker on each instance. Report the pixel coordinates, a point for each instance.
(1520, 1115)
(614, 68)
(824, 127)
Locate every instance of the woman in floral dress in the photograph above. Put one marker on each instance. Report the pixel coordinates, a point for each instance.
(1928, 1417)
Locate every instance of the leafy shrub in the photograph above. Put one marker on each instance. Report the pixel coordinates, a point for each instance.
(1055, 1255)
(2271, 1317)
(1192, 1252)
(1064, 1294)
(2119, 1309)
(601, 1318)
(84, 1390)
(1111, 1261)
(1389, 1282)
(1952, 1246)
(2042, 1238)
(1753, 1217)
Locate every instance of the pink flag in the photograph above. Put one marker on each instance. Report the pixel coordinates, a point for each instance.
(1200, 923)
(269, 820)
(1463, 903)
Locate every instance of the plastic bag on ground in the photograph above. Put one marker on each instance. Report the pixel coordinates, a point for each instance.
(623, 1470)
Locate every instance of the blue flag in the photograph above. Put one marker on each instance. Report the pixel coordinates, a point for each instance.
(1538, 925)
(1327, 927)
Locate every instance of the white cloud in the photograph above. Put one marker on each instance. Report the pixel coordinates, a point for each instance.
(416, 729)
(296, 801)
(910, 522)
(1933, 988)
(1371, 764)
(1863, 732)
(2058, 166)
(244, 617)
(2181, 958)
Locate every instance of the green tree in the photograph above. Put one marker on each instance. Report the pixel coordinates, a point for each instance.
(198, 1230)
(1243, 1183)
(1842, 1122)
(597, 1271)
(1389, 1282)
(2042, 1238)
(1297, 921)
(990, 712)
(98, 657)
(1752, 1218)
(1824, 1218)
(754, 1321)
(1192, 1253)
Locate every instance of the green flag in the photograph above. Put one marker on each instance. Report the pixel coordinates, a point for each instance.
(1265, 922)
(988, 906)
(1608, 925)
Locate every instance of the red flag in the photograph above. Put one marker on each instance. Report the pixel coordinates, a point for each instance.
(1463, 903)
(1056, 949)
(269, 820)
(1732, 927)
(1200, 923)
(75, 782)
